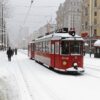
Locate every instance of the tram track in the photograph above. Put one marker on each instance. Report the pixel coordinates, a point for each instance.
(88, 64)
(40, 83)
(89, 68)
(46, 89)
(24, 79)
(92, 72)
(95, 69)
(93, 76)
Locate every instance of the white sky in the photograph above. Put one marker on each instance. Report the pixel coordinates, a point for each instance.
(40, 13)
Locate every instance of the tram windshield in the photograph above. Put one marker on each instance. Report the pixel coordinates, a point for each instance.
(72, 47)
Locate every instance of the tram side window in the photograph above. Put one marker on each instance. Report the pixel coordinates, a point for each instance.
(47, 46)
(37, 47)
(41, 46)
(44, 46)
(81, 48)
(65, 47)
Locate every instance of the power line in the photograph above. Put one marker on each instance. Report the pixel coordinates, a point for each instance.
(27, 14)
(43, 6)
(32, 1)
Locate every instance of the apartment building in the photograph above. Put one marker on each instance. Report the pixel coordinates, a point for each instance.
(90, 22)
(69, 15)
(91, 18)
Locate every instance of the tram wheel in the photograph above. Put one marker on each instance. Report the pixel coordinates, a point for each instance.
(51, 68)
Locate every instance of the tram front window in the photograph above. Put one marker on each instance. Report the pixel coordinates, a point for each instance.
(75, 47)
(65, 47)
(71, 47)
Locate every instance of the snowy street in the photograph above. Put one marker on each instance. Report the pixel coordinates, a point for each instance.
(24, 79)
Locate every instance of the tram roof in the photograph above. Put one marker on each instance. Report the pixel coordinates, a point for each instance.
(64, 36)
(97, 43)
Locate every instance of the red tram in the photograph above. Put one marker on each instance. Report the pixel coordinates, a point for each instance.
(59, 51)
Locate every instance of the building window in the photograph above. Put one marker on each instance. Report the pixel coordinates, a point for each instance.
(86, 25)
(86, 11)
(95, 3)
(95, 32)
(95, 21)
(95, 13)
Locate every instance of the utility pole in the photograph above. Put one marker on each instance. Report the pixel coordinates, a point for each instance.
(90, 24)
(2, 38)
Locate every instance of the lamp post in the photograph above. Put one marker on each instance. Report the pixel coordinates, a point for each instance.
(2, 28)
(23, 43)
(90, 24)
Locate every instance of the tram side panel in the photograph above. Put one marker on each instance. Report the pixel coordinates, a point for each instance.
(42, 54)
(50, 57)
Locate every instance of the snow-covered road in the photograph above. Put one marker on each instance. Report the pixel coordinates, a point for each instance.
(24, 79)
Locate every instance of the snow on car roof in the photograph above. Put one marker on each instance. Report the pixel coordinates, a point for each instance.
(97, 43)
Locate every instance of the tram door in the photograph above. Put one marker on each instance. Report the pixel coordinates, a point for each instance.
(52, 54)
(55, 53)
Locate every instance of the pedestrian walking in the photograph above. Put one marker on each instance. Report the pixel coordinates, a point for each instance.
(15, 51)
(9, 53)
(90, 52)
(83, 52)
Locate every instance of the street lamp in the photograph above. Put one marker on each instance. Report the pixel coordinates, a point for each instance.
(2, 28)
(23, 43)
(90, 24)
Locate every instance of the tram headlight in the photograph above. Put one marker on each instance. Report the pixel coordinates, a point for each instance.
(75, 64)
(64, 63)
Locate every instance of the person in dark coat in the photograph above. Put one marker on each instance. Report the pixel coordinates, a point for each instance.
(15, 51)
(90, 51)
(9, 53)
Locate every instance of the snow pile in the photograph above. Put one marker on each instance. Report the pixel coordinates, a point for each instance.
(97, 43)
(8, 89)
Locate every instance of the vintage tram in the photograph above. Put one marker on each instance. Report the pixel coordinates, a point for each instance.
(59, 51)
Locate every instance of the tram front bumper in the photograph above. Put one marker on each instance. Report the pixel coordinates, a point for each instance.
(72, 69)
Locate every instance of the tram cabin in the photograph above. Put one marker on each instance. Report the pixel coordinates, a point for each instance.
(59, 51)
(97, 49)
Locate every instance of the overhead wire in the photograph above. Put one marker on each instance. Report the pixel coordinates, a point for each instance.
(43, 6)
(27, 14)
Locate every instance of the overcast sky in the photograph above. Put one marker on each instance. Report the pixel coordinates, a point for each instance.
(40, 13)
(21, 15)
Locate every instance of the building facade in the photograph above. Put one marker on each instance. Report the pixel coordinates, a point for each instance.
(47, 28)
(69, 15)
(3, 35)
(91, 21)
